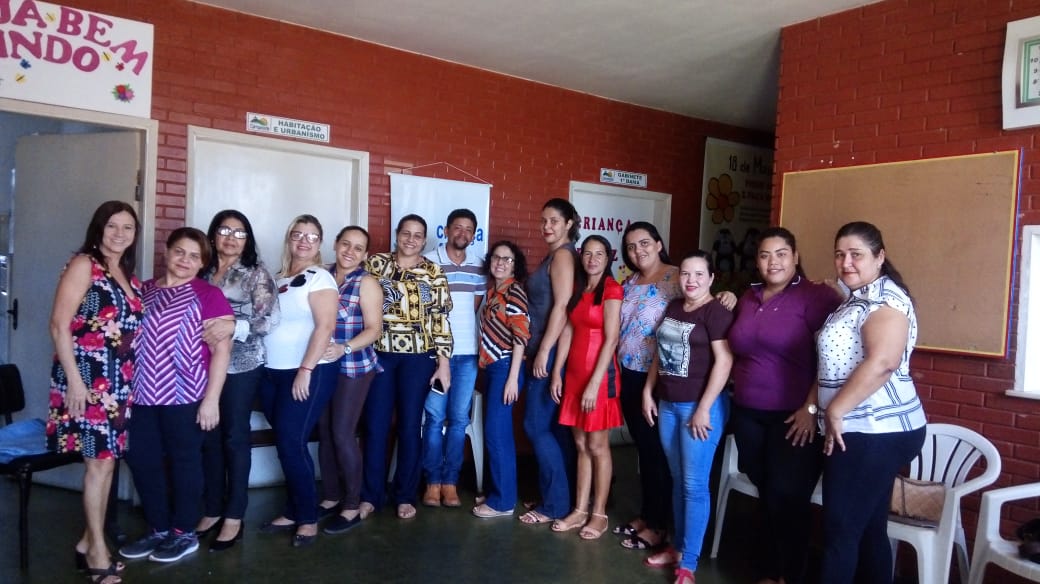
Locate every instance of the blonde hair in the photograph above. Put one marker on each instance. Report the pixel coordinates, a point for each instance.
(287, 246)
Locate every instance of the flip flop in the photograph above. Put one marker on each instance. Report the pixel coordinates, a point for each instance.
(533, 517)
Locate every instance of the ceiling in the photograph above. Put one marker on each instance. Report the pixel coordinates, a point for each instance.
(710, 59)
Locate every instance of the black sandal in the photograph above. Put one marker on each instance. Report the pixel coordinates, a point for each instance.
(624, 529)
(634, 542)
(98, 575)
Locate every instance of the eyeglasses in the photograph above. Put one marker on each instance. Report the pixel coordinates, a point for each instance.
(226, 231)
(301, 236)
(502, 259)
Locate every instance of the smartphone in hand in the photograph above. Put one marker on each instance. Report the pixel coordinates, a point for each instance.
(437, 387)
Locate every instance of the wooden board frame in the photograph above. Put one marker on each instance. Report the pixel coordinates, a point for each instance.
(949, 226)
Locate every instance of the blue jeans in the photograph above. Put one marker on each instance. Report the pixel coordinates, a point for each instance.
(293, 422)
(498, 437)
(689, 460)
(401, 388)
(165, 458)
(442, 452)
(857, 490)
(551, 443)
(227, 451)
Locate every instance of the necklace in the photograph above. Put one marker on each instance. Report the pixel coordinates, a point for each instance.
(687, 307)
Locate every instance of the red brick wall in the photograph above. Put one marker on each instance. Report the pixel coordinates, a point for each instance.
(904, 80)
(528, 139)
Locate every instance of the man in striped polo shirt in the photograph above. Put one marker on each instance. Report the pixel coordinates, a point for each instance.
(442, 452)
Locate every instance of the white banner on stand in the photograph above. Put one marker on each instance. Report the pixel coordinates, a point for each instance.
(433, 199)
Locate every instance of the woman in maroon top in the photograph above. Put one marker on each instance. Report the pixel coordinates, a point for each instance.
(773, 342)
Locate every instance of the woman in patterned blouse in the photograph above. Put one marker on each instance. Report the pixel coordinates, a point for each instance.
(246, 283)
(504, 330)
(414, 351)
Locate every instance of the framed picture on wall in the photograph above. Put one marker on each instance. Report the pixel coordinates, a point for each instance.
(1020, 83)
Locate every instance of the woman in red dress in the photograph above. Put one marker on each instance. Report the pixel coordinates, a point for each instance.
(590, 400)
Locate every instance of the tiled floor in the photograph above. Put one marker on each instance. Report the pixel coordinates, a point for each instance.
(440, 545)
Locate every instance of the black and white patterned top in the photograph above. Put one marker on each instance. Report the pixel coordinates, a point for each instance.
(894, 407)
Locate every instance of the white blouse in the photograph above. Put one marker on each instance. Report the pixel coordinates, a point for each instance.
(894, 407)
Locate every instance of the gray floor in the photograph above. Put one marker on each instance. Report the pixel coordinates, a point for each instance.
(440, 545)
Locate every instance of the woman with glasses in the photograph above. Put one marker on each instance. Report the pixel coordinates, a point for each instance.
(298, 382)
(504, 330)
(414, 350)
(226, 452)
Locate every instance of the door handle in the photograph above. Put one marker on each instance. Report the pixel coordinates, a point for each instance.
(13, 311)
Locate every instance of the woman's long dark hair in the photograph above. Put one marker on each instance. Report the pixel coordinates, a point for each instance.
(871, 236)
(96, 232)
(649, 228)
(248, 258)
(581, 279)
(788, 237)
(569, 213)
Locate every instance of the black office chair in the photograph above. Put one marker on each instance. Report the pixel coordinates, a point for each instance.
(12, 399)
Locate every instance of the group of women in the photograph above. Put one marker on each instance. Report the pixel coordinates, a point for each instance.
(188, 353)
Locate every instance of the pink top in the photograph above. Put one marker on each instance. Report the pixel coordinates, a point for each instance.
(172, 359)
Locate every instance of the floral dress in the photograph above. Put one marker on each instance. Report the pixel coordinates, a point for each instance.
(104, 336)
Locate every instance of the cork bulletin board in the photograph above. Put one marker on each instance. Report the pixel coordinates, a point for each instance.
(949, 227)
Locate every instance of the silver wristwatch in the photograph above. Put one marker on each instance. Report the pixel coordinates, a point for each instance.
(813, 410)
(346, 349)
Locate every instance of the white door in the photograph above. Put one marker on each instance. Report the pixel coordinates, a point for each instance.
(59, 181)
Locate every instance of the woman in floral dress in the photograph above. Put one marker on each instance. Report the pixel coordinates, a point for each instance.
(97, 310)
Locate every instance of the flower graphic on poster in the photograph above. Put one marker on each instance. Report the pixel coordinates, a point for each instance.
(123, 93)
(722, 200)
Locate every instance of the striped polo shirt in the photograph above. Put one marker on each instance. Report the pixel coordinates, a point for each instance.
(467, 284)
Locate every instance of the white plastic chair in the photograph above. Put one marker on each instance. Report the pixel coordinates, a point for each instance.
(990, 547)
(950, 453)
(475, 431)
(734, 480)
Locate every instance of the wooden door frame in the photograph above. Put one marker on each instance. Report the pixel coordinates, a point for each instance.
(149, 163)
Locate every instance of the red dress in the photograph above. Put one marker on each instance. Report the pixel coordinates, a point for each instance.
(587, 322)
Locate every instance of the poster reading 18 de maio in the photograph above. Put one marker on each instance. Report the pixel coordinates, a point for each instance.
(735, 208)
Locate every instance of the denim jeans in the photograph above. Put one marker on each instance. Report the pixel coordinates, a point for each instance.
(226, 450)
(654, 477)
(553, 445)
(689, 460)
(165, 458)
(857, 490)
(401, 388)
(293, 423)
(498, 436)
(786, 477)
(443, 451)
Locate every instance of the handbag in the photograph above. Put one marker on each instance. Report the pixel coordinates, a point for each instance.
(917, 502)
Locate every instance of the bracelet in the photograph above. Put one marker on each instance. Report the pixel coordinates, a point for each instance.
(308, 369)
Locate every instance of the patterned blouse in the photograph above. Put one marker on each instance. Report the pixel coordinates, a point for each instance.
(895, 406)
(504, 322)
(253, 298)
(641, 313)
(416, 303)
(349, 324)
